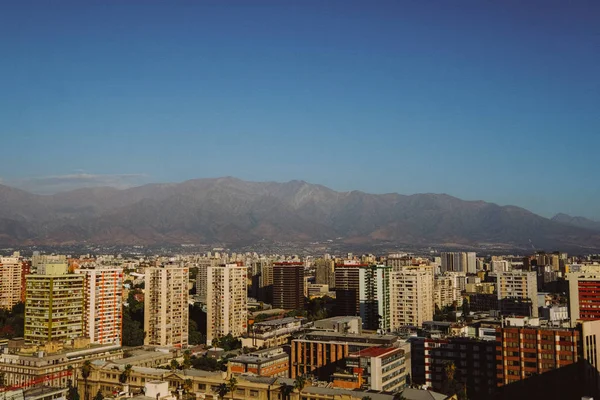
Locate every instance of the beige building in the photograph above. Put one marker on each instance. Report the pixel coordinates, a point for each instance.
(10, 282)
(103, 304)
(518, 285)
(445, 292)
(227, 301)
(411, 296)
(54, 305)
(166, 312)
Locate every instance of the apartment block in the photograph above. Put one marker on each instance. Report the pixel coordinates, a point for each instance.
(103, 304)
(373, 368)
(459, 262)
(364, 290)
(272, 333)
(166, 313)
(411, 297)
(227, 301)
(474, 361)
(518, 285)
(288, 285)
(445, 292)
(584, 295)
(11, 269)
(54, 305)
(526, 351)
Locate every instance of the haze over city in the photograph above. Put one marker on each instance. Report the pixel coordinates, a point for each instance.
(480, 100)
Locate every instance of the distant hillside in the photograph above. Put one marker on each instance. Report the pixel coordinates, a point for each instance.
(235, 212)
(580, 222)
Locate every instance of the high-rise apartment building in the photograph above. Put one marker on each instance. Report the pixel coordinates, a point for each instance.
(446, 293)
(518, 285)
(103, 304)
(325, 273)
(11, 269)
(364, 290)
(166, 313)
(227, 301)
(288, 285)
(459, 262)
(265, 282)
(584, 295)
(54, 305)
(411, 296)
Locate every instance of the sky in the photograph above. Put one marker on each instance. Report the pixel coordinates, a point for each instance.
(490, 100)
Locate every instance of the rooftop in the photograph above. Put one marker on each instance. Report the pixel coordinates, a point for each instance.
(376, 351)
(280, 321)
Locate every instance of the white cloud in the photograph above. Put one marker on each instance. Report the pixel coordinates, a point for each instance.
(61, 183)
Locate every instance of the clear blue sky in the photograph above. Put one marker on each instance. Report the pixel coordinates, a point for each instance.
(492, 100)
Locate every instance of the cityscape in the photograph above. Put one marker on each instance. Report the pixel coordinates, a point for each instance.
(299, 200)
(454, 325)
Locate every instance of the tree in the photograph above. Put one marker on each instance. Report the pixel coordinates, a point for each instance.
(187, 359)
(98, 395)
(72, 393)
(232, 385)
(86, 370)
(124, 376)
(466, 308)
(286, 390)
(173, 365)
(222, 390)
(133, 334)
(188, 386)
(300, 383)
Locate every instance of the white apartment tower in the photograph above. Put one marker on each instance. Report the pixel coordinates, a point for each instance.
(227, 301)
(411, 296)
(10, 282)
(519, 285)
(166, 313)
(103, 304)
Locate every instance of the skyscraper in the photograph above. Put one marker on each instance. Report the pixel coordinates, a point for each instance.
(54, 305)
(227, 301)
(103, 304)
(459, 262)
(166, 313)
(288, 285)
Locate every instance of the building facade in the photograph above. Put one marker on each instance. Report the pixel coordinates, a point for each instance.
(54, 305)
(584, 295)
(411, 297)
(288, 285)
(103, 304)
(518, 285)
(166, 313)
(11, 269)
(227, 301)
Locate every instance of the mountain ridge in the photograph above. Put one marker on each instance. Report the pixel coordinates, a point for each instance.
(236, 212)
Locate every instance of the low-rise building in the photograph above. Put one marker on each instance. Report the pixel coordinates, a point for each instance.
(270, 362)
(272, 333)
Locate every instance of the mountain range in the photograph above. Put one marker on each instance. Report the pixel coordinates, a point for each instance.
(234, 212)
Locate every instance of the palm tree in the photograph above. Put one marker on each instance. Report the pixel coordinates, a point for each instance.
(286, 390)
(86, 370)
(188, 386)
(222, 390)
(299, 383)
(232, 385)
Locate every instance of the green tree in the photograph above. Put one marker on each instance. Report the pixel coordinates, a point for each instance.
(286, 390)
(187, 359)
(124, 376)
(222, 390)
(133, 334)
(300, 383)
(98, 395)
(232, 385)
(188, 387)
(173, 365)
(86, 370)
(72, 393)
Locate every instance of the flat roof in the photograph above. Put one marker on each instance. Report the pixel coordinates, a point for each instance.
(280, 321)
(377, 351)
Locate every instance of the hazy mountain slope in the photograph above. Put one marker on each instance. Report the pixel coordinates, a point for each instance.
(234, 212)
(580, 222)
